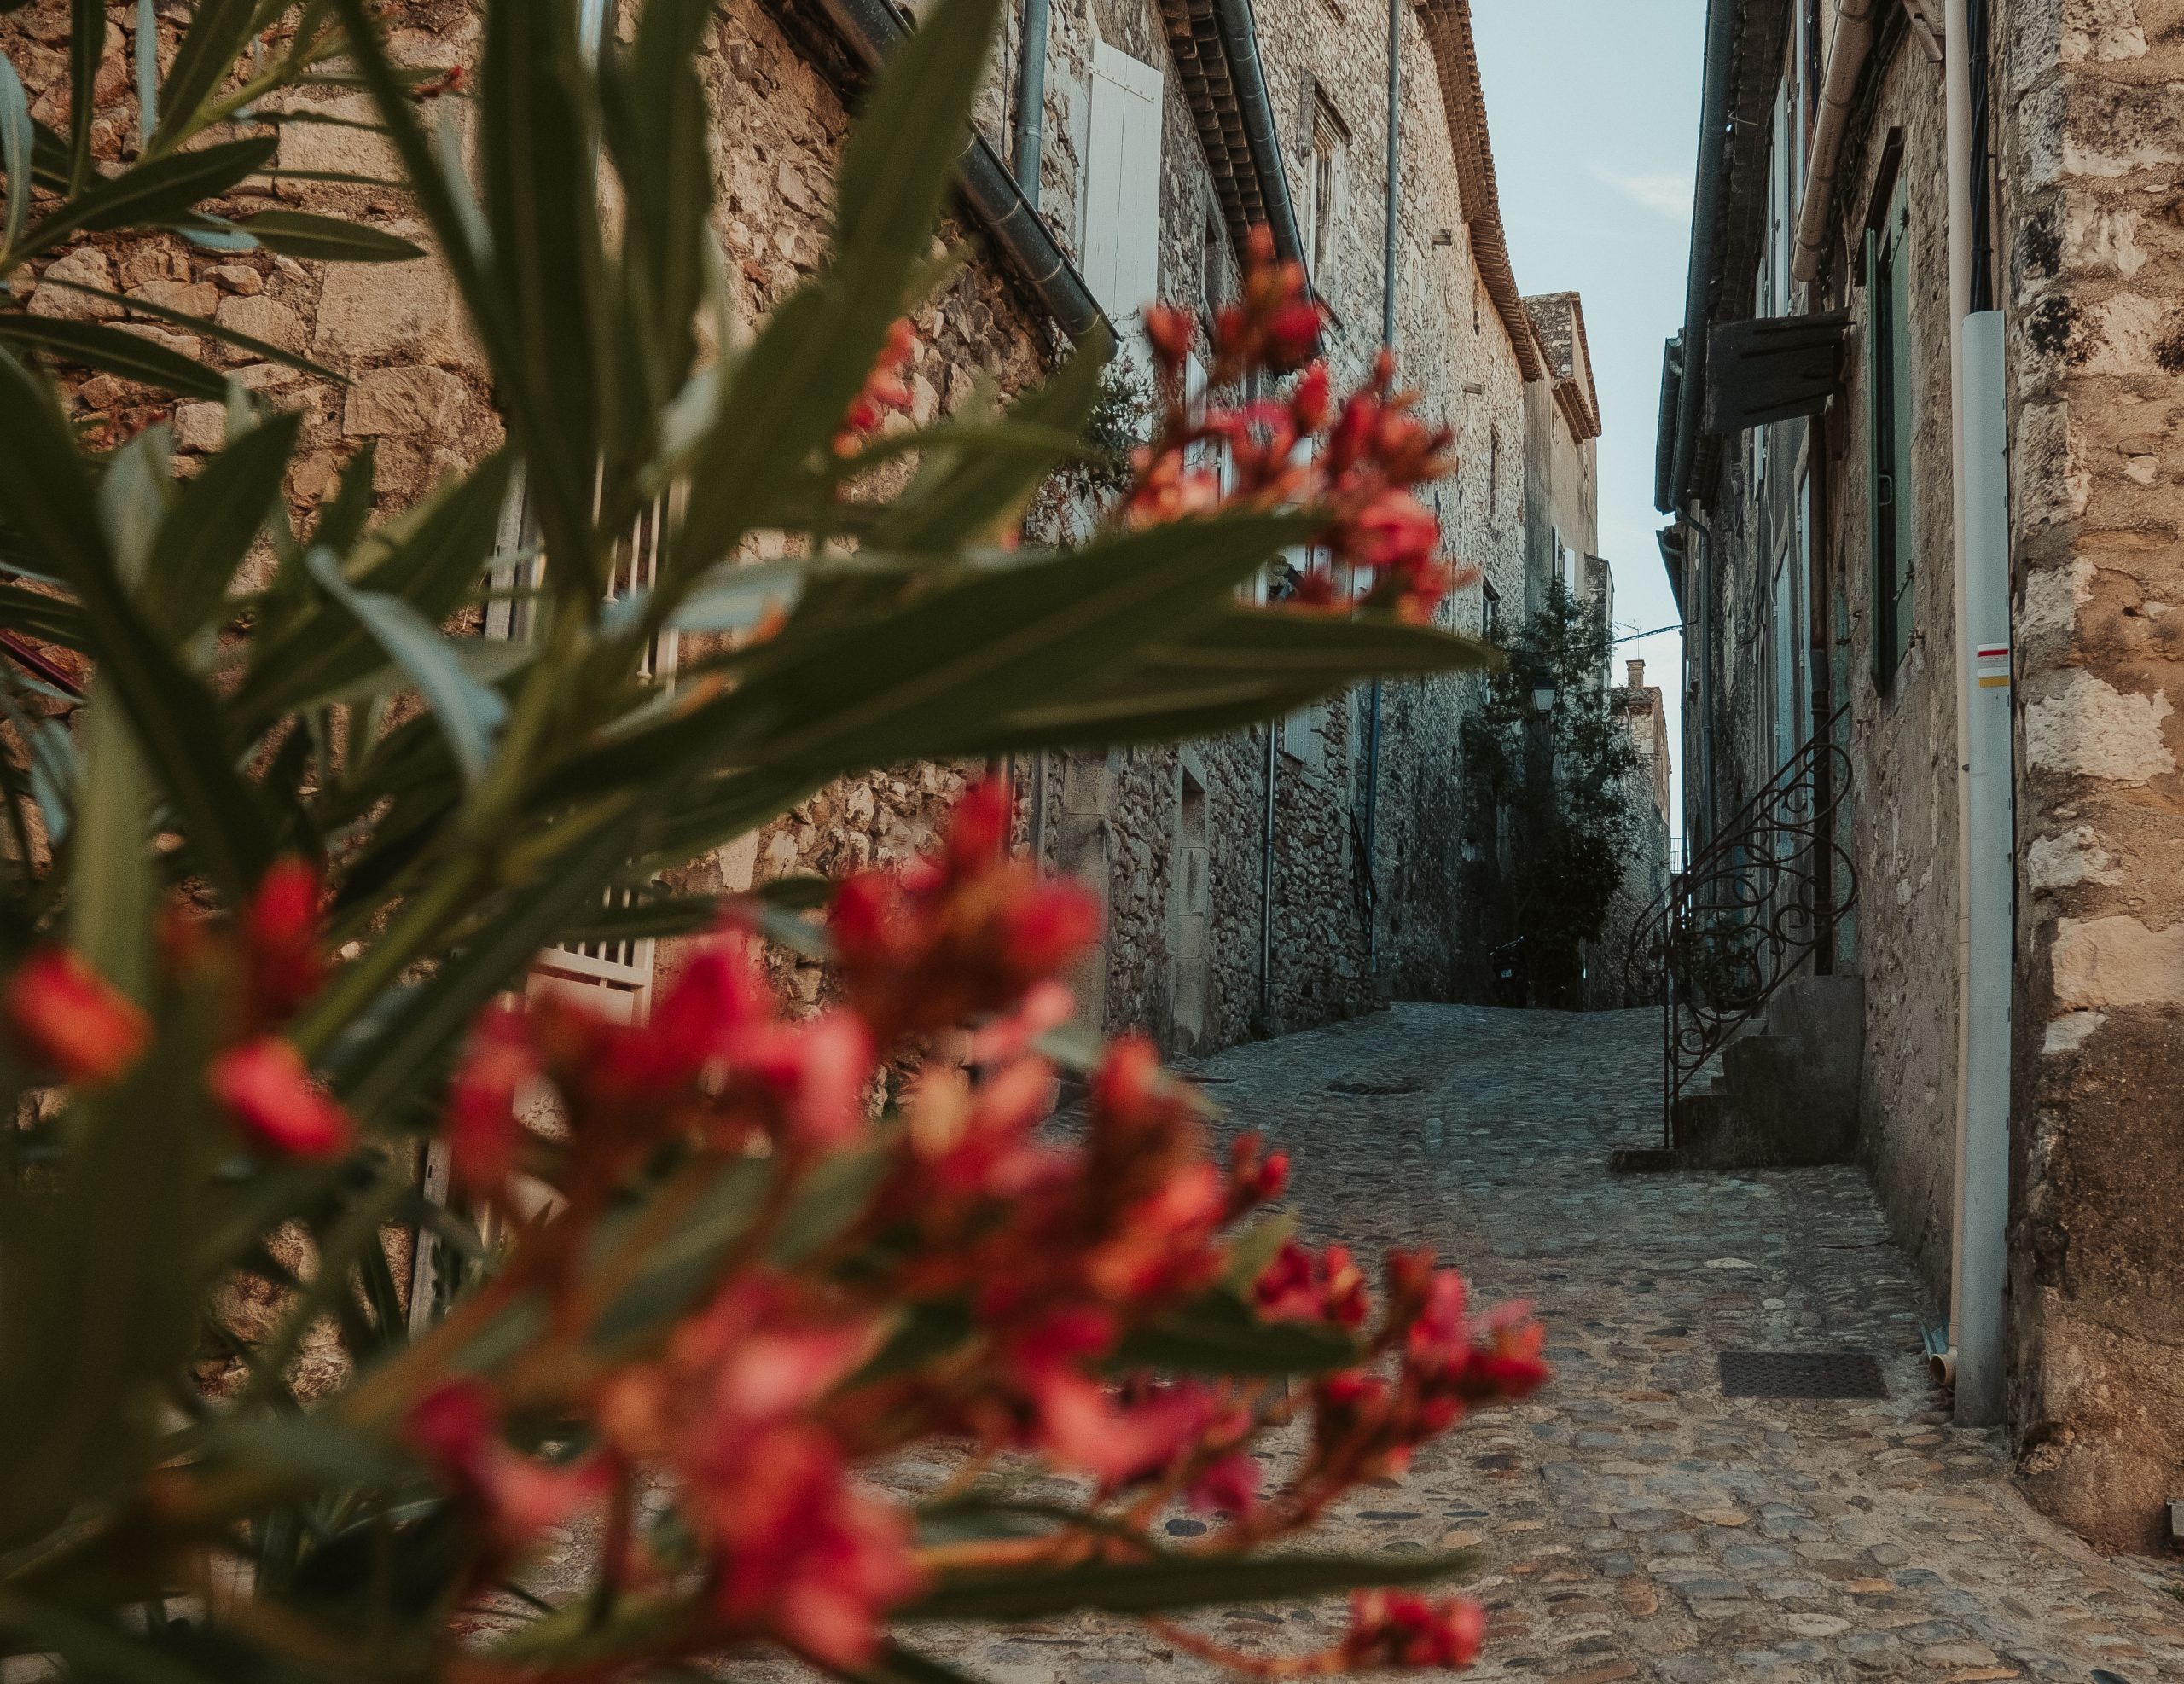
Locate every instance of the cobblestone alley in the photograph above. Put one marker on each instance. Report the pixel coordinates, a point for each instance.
(1637, 1525)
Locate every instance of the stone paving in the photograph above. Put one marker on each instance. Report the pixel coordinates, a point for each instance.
(1637, 1524)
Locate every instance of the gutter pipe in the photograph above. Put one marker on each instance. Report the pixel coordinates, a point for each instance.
(1979, 414)
(1029, 136)
(1255, 111)
(1706, 228)
(1387, 343)
(871, 29)
(1848, 49)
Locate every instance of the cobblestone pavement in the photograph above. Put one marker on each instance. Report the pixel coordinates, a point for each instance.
(1637, 1524)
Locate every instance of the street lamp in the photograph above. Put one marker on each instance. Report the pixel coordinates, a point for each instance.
(1543, 692)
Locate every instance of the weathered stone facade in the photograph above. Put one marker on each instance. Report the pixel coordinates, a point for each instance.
(1177, 840)
(1609, 985)
(2084, 259)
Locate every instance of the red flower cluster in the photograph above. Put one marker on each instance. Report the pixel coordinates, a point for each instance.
(958, 938)
(884, 389)
(70, 1021)
(1388, 1629)
(1357, 464)
(987, 1290)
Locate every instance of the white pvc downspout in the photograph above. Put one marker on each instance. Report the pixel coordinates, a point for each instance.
(1985, 847)
(1847, 49)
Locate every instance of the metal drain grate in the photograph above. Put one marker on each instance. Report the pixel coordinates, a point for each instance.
(1801, 1373)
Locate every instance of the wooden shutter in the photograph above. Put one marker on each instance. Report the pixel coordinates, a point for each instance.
(1122, 183)
(1880, 516)
(1903, 394)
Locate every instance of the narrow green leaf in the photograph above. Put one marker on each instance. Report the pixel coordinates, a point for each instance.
(1218, 1334)
(18, 140)
(218, 34)
(300, 233)
(132, 500)
(198, 324)
(210, 530)
(151, 191)
(430, 557)
(46, 492)
(91, 1648)
(1170, 1584)
(470, 714)
(648, 920)
(113, 881)
(115, 350)
(148, 72)
(967, 494)
(536, 141)
(736, 596)
(50, 619)
(86, 49)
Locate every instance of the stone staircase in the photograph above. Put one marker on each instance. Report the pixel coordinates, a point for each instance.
(1783, 1091)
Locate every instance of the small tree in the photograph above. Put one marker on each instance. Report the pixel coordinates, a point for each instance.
(1562, 776)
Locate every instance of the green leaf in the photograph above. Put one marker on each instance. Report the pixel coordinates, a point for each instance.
(209, 531)
(208, 328)
(649, 919)
(971, 491)
(148, 72)
(114, 350)
(92, 1648)
(430, 558)
(1251, 1251)
(219, 32)
(469, 713)
(86, 47)
(684, 1263)
(112, 880)
(102, 1309)
(736, 596)
(1219, 1333)
(51, 620)
(156, 191)
(830, 1198)
(787, 396)
(1170, 1584)
(301, 234)
(44, 488)
(18, 140)
(536, 140)
(1274, 641)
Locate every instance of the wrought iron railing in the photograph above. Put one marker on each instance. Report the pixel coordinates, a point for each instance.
(1752, 908)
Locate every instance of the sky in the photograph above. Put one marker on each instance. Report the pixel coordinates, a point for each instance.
(1594, 106)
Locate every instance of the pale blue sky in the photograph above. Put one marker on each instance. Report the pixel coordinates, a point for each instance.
(1594, 106)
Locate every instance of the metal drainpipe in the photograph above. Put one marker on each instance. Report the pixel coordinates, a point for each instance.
(1030, 133)
(871, 29)
(1388, 343)
(1985, 864)
(1255, 111)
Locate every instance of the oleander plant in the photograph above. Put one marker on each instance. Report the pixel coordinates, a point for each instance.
(760, 1331)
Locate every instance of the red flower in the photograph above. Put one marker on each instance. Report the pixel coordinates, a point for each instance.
(1392, 1629)
(1394, 530)
(801, 1554)
(482, 1131)
(264, 1085)
(280, 930)
(1172, 331)
(884, 389)
(455, 1429)
(813, 1075)
(66, 1017)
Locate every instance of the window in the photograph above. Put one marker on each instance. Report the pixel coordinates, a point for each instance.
(1891, 393)
(1489, 610)
(1326, 189)
(1122, 183)
(1211, 289)
(1493, 470)
(1478, 299)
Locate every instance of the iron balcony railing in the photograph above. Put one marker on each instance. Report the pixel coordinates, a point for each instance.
(1750, 910)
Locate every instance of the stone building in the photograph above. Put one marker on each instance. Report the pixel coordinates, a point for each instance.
(1922, 439)
(1122, 148)
(1637, 705)
(1562, 430)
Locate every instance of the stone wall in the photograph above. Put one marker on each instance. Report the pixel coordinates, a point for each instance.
(2092, 140)
(1902, 742)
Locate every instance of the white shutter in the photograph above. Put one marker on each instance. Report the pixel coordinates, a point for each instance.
(1122, 183)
